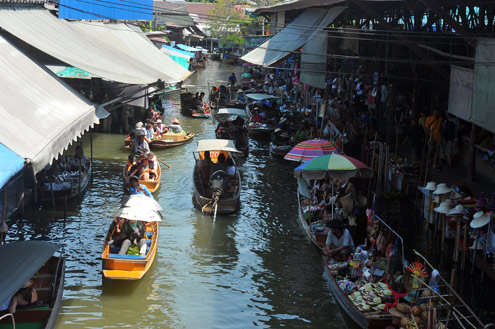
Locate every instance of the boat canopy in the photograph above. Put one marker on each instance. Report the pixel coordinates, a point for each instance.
(231, 111)
(302, 29)
(260, 97)
(45, 115)
(216, 145)
(20, 261)
(113, 51)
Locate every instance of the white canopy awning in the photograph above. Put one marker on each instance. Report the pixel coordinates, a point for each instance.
(216, 145)
(228, 111)
(260, 97)
(41, 115)
(113, 51)
(292, 37)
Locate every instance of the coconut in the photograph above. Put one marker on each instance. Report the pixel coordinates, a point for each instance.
(416, 310)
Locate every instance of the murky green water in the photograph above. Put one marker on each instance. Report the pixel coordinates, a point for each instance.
(253, 269)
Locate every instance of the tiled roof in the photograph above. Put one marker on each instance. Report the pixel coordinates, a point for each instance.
(200, 9)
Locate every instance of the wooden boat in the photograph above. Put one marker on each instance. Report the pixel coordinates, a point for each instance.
(314, 231)
(224, 115)
(362, 320)
(214, 56)
(48, 280)
(261, 131)
(280, 150)
(129, 267)
(230, 60)
(201, 114)
(73, 185)
(151, 184)
(220, 193)
(170, 139)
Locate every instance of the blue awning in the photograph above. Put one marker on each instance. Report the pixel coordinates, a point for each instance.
(10, 164)
(187, 48)
(186, 53)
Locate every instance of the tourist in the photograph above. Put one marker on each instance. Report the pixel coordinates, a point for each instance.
(230, 167)
(160, 127)
(134, 235)
(26, 296)
(219, 165)
(204, 166)
(339, 243)
(150, 132)
(140, 143)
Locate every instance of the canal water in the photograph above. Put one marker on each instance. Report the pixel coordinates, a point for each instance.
(252, 269)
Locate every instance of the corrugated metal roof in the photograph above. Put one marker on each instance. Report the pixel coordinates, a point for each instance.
(170, 7)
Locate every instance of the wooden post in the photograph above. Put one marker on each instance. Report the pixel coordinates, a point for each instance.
(91, 147)
(428, 215)
(471, 155)
(464, 247)
(51, 190)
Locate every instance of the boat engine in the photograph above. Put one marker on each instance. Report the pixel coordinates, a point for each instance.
(218, 184)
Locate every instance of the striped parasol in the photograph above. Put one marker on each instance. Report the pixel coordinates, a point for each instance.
(333, 166)
(310, 149)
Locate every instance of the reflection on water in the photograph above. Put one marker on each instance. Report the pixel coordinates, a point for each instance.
(253, 269)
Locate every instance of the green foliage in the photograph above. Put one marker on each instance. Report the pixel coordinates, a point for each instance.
(227, 23)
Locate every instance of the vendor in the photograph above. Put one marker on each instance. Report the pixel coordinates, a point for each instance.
(339, 242)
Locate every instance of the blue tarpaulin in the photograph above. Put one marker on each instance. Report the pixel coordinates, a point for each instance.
(187, 48)
(183, 52)
(10, 164)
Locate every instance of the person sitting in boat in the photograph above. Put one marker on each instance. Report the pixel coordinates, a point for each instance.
(139, 144)
(241, 98)
(232, 79)
(222, 130)
(134, 235)
(24, 297)
(246, 75)
(79, 157)
(205, 106)
(150, 132)
(160, 128)
(339, 243)
(140, 166)
(175, 126)
(152, 164)
(230, 167)
(136, 188)
(219, 165)
(257, 118)
(204, 166)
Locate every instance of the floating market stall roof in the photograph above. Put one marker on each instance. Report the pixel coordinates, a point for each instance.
(294, 36)
(216, 145)
(260, 97)
(113, 51)
(45, 115)
(176, 52)
(10, 164)
(188, 48)
(20, 261)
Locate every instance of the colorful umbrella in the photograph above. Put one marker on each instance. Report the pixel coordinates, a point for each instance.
(333, 166)
(310, 149)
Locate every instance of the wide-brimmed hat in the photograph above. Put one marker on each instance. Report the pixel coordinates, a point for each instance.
(140, 132)
(139, 125)
(442, 189)
(283, 120)
(431, 186)
(480, 219)
(277, 130)
(395, 312)
(159, 121)
(175, 122)
(444, 207)
(458, 210)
